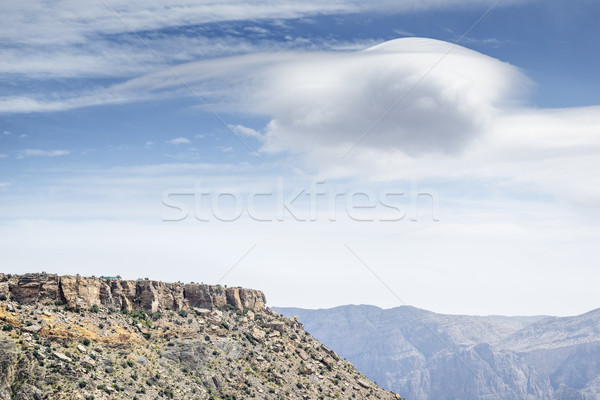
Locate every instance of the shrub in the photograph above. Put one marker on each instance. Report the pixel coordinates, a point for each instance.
(95, 308)
(8, 327)
(86, 342)
(183, 313)
(82, 384)
(3, 297)
(156, 316)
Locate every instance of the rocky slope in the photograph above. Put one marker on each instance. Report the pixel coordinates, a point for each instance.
(94, 338)
(425, 355)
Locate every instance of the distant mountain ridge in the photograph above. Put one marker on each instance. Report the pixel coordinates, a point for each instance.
(428, 356)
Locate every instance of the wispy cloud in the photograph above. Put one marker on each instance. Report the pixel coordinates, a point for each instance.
(245, 131)
(179, 140)
(67, 38)
(490, 42)
(70, 21)
(403, 32)
(256, 30)
(41, 153)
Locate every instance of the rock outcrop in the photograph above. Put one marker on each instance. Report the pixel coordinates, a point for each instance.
(147, 295)
(228, 345)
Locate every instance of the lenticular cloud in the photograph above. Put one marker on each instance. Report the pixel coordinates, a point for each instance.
(413, 95)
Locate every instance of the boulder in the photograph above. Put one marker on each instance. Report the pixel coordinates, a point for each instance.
(258, 334)
(31, 328)
(364, 383)
(87, 360)
(61, 356)
(303, 355)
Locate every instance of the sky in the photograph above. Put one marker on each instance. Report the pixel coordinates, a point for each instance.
(443, 155)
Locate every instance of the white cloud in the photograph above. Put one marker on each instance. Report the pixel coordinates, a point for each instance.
(149, 144)
(403, 32)
(256, 29)
(42, 153)
(179, 140)
(245, 131)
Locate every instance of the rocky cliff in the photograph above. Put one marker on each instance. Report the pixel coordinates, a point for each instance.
(150, 296)
(93, 338)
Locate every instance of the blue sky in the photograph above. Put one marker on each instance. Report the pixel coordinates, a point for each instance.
(109, 108)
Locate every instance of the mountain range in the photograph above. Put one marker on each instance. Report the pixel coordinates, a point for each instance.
(430, 356)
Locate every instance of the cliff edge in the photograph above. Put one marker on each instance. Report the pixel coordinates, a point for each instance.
(151, 296)
(77, 338)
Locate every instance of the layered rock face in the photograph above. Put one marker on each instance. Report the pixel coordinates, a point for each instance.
(151, 296)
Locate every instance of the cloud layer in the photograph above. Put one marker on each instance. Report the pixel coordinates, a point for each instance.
(68, 38)
(410, 108)
(70, 21)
